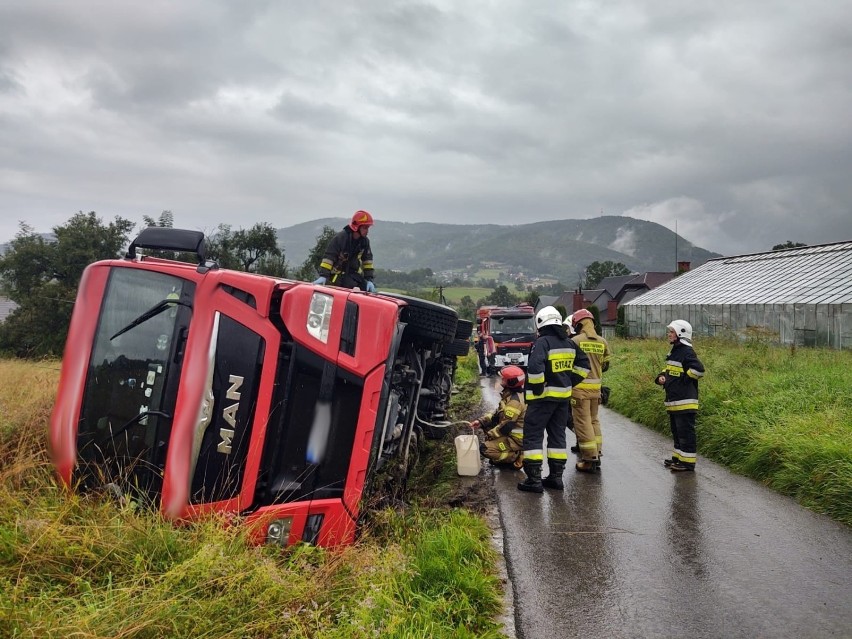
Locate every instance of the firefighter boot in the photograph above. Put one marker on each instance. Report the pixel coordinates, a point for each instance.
(587, 465)
(554, 479)
(532, 484)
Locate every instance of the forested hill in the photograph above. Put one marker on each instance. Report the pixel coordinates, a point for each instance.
(560, 248)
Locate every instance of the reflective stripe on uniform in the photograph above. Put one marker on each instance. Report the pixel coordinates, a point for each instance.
(694, 374)
(673, 368)
(557, 453)
(689, 458)
(552, 392)
(535, 378)
(534, 455)
(682, 404)
(590, 384)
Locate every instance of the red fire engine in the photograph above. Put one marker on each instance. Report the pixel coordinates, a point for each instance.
(203, 389)
(512, 331)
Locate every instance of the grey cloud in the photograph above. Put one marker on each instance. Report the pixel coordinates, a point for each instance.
(731, 120)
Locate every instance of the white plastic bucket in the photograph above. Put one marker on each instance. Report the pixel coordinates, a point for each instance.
(467, 454)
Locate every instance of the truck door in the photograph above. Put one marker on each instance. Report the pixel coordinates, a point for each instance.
(230, 429)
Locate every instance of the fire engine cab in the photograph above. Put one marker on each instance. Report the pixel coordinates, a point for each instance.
(512, 330)
(287, 404)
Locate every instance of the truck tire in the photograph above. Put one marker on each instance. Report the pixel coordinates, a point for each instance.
(458, 347)
(427, 320)
(464, 329)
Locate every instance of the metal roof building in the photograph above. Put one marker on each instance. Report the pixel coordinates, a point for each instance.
(797, 296)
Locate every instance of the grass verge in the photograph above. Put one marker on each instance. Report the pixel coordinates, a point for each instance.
(779, 415)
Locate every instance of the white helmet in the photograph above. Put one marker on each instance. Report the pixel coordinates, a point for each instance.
(682, 329)
(548, 316)
(569, 324)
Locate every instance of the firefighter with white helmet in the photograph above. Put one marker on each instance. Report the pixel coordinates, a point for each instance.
(348, 259)
(586, 398)
(504, 428)
(555, 365)
(680, 380)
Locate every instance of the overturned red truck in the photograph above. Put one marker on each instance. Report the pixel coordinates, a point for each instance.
(202, 389)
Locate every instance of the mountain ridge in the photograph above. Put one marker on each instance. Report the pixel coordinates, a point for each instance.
(557, 248)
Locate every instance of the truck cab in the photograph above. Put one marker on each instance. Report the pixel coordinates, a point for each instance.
(287, 404)
(512, 330)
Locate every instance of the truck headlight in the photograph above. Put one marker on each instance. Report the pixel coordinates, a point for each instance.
(319, 316)
(278, 531)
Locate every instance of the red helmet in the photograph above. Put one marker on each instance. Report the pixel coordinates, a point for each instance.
(512, 377)
(361, 218)
(583, 313)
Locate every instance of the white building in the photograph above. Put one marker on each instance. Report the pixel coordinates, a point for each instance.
(799, 296)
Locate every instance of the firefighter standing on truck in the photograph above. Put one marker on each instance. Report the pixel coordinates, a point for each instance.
(680, 380)
(348, 260)
(555, 365)
(504, 428)
(586, 397)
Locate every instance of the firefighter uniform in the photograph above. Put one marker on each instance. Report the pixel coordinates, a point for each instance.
(555, 365)
(586, 398)
(348, 260)
(680, 380)
(504, 430)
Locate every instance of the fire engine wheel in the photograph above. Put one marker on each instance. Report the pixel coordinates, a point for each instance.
(427, 320)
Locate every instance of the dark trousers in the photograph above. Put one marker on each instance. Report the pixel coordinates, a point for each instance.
(350, 280)
(546, 416)
(682, 424)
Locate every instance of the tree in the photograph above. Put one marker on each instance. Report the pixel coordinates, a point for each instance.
(532, 297)
(166, 220)
(251, 250)
(501, 296)
(309, 269)
(596, 317)
(596, 271)
(467, 308)
(42, 278)
(787, 245)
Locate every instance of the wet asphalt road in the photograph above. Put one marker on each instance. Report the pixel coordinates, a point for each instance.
(637, 551)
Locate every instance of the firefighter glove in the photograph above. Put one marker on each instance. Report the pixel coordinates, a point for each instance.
(319, 280)
(537, 389)
(371, 288)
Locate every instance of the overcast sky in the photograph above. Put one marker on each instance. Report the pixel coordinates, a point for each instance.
(731, 119)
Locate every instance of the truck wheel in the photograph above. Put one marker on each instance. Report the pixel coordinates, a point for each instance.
(464, 329)
(458, 347)
(427, 320)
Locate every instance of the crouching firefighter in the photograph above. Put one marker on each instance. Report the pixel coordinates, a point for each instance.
(504, 428)
(555, 365)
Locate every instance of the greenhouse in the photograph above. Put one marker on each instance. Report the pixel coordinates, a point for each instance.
(799, 296)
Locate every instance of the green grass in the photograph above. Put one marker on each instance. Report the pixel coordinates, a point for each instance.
(454, 294)
(779, 415)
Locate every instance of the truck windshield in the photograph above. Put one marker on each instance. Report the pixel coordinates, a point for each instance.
(130, 385)
(512, 325)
